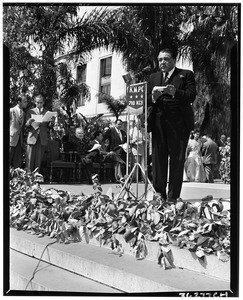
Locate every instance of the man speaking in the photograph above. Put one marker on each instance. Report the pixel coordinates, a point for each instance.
(170, 92)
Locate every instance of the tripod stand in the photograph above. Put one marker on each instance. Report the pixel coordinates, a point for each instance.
(127, 184)
(137, 166)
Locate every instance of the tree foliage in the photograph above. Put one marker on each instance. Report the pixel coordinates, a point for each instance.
(35, 34)
(209, 34)
(116, 106)
(139, 32)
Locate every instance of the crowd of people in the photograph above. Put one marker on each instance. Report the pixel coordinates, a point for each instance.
(43, 145)
(202, 156)
(205, 158)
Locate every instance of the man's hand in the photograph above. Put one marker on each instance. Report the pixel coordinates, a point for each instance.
(155, 95)
(30, 121)
(157, 92)
(170, 89)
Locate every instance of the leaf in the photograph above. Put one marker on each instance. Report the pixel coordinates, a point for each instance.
(131, 210)
(123, 220)
(192, 237)
(86, 236)
(192, 225)
(33, 201)
(156, 218)
(62, 236)
(223, 256)
(184, 232)
(178, 228)
(202, 239)
(168, 211)
(207, 213)
(128, 235)
(200, 253)
(133, 229)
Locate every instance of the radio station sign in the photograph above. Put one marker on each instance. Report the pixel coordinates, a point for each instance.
(136, 95)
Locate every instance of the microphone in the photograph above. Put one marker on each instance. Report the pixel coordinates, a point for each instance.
(144, 71)
(128, 78)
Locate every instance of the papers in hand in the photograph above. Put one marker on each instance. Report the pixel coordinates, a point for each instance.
(95, 147)
(39, 118)
(159, 88)
(49, 115)
(123, 146)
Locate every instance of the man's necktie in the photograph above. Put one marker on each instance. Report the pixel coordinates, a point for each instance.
(120, 135)
(166, 77)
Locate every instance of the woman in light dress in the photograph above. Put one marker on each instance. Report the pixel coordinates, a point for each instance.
(194, 169)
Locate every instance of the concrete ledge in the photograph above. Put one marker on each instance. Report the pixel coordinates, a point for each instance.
(19, 282)
(124, 273)
(24, 275)
(183, 258)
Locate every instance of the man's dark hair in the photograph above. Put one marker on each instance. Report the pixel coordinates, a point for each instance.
(171, 51)
(209, 135)
(20, 97)
(97, 133)
(118, 120)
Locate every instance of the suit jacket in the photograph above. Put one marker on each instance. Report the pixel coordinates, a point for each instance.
(184, 82)
(221, 144)
(115, 139)
(16, 126)
(34, 133)
(209, 152)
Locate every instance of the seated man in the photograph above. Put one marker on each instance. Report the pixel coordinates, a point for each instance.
(117, 137)
(100, 152)
(78, 144)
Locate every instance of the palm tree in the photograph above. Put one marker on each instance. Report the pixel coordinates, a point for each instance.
(116, 106)
(48, 31)
(139, 32)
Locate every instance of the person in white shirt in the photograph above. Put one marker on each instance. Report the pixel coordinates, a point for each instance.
(17, 118)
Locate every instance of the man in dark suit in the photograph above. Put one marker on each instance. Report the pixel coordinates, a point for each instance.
(116, 137)
(222, 141)
(171, 92)
(209, 153)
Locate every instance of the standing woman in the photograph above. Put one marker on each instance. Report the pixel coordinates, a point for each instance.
(194, 164)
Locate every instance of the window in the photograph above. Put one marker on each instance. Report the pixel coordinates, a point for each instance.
(105, 77)
(81, 77)
(81, 73)
(105, 67)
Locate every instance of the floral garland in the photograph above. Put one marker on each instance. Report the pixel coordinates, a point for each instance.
(203, 228)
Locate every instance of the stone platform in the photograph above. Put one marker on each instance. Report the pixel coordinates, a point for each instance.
(103, 265)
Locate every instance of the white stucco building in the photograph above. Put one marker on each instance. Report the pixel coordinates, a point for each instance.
(102, 71)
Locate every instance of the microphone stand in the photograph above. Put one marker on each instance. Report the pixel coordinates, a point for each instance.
(138, 166)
